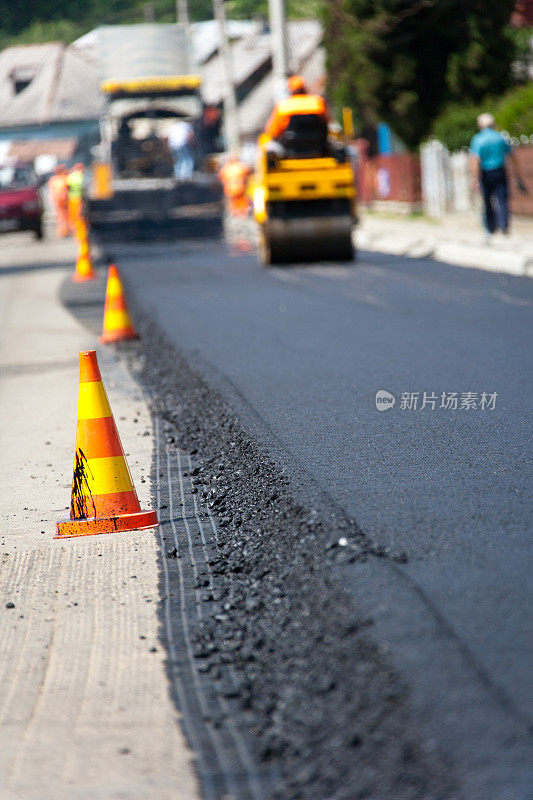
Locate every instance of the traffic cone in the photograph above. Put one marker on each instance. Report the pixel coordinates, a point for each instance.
(84, 268)
(103, 497)
(117, 320)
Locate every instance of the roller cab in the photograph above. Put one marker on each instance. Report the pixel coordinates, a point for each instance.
(304, 207)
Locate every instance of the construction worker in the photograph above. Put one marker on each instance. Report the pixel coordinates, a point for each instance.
(75, 181)
(312, 107)
(58, 191)
(234, 178)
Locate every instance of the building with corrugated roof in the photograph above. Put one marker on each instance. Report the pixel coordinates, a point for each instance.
(50, 103)
(49, 100)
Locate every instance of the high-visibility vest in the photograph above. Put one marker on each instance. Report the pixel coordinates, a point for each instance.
(291, 106)
(57, 186)
(234, 177)
(75, 183)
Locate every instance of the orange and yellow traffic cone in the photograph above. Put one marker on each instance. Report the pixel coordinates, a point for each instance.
(103, 497)
(117, 320)
(75, 210)
(84, 268)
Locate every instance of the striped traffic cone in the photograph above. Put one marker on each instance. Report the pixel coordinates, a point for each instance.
(103, 497)
(84, 268)
(117, 320)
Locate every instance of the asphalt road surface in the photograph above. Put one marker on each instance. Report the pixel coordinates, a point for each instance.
(301, 352)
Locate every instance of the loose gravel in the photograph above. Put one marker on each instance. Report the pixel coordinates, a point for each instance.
(324, 709)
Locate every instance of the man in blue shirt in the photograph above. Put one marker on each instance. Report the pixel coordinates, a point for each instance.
(488, 151)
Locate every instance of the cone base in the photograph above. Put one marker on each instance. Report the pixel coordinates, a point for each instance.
(81, 278)
(136, 521)
(118, 336)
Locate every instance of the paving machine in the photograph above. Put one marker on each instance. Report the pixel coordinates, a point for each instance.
(303, 194)
(148, 85)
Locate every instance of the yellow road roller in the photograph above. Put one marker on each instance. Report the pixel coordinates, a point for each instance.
(305, 206)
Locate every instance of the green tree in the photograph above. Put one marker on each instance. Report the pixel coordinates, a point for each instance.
(62, 20)
(401, 61)
(456, 125)
(18, 16)
(515, 112)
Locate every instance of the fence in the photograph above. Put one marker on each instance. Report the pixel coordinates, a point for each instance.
(446, 181)
(438, 181)
(392, 178)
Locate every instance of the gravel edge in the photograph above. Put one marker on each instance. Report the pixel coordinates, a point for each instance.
(327, 709)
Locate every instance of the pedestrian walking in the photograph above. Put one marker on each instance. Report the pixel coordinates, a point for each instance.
(489, 151)
(181, 142)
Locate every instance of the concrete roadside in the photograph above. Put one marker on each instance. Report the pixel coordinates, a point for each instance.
(458, 239)
(85, 708)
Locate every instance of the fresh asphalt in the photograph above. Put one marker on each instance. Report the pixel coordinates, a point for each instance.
(300, 352)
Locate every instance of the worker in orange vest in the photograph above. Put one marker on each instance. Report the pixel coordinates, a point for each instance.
(58, 190)
(234, 178)
(75, 183)
(298, 103)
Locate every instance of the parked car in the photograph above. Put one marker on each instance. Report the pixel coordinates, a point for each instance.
(21, 207)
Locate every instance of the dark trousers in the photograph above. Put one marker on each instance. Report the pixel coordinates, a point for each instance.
(495, 199)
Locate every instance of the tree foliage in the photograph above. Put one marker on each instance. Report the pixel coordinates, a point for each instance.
(57, 19)
(515, 112)
(401, 61)
(456, 125)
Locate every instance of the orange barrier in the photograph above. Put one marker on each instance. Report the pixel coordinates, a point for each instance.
(62, 221)
(58, 190)
(75, 205)
(239, 206)
(102, 184)
(84, 267)
(117, 320)
(234, 177)
(103, 497)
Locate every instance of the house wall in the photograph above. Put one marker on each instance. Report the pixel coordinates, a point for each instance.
(55, 130)
(83, 135)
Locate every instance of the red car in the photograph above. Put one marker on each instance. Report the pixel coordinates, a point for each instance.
(21, 207)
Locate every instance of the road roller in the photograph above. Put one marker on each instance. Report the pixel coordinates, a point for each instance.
(304, 206)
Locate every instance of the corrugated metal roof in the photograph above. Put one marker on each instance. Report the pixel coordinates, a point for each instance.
(66, 80)
(77, 94)
(247, 56)
(303, 38)
(252, 52)
(205, 36)
(255, 109)
(63, 85)
(30, 104)
(307, 58)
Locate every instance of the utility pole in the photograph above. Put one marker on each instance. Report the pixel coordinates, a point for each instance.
(231, 119)
(278, 37)
(149, 12)
(182, 13)
(182, 16)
